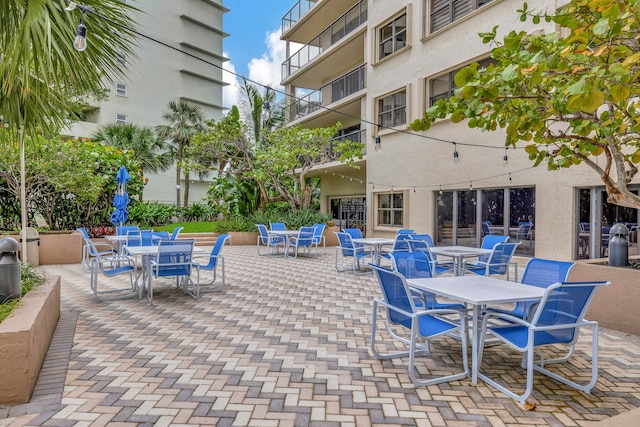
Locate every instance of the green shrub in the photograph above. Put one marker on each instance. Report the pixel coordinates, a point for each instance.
(233, 224)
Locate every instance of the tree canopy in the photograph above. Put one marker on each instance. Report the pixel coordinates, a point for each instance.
(571, 96)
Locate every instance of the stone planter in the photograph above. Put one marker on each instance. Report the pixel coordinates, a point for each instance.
(614, 306)
(24, 339)
(242, 238)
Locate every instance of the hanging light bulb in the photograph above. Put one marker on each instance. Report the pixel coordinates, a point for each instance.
(80, 42)
(266, 106)
(471, 186)
(440, 192)
(505, 159)
(509, 176)
(456, 156)
(378, 145)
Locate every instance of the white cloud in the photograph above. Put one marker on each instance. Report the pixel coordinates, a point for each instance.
(230, 93)
(266, 70)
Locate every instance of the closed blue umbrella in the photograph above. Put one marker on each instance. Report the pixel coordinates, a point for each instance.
(120, 214)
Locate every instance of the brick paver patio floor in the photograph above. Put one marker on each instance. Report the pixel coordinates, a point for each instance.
(285, 344)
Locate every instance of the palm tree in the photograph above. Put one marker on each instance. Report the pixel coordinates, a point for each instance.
(150, 151)
(42, 76)
(184, 120)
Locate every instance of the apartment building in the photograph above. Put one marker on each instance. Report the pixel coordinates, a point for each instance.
(157, 74)
(377, 66)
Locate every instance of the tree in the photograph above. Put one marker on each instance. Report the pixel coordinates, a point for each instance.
(41, 74)
(150, 151)
(184, 120)
(569, 99)
(278, 164)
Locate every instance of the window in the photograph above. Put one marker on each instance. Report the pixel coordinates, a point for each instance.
(390, 209)
(121, 59)
(121, 89)
(392, 37)
(121, 119)
(392, 110)
(443, 86)
(444, 12)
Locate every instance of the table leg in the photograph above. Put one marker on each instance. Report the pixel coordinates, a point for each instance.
(474, 343)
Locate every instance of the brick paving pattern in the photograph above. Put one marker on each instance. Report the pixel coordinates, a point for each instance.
(285, 344)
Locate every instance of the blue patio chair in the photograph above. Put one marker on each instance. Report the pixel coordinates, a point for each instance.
(268, 240)
(415, 265)
(541, 273)
(556, 321)
(176, 231)
(497, 262)
(277, 226)
(424, 236)
(109, 264)
(91, 250)
(402, 314)
(604, 239)
(139, 238)
(486, 228)
(174, 259)
(303, 241)
(121, 230)
(156, 236)
(318, 236)
(215, 259)
(524, 232)
(347, 251)
(406, 231)
(438, 266)
(355, 233)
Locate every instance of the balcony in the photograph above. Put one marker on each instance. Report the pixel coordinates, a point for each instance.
(355, 136)
(352, 82)
(296, 13)
(342, 26)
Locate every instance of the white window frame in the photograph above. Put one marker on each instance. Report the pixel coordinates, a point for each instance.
(391, 209)
(394, 37)
(431, 98)
(121, 119)
(121, 89)
(395, 110)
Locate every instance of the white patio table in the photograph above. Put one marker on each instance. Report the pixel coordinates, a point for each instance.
(286, 234)
(458, 254)
(377, 243)
(477, 291)
(145, 252)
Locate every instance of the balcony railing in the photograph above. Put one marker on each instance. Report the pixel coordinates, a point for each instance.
(342, 26)
(296, 13)
(334, 91)
(355, 136)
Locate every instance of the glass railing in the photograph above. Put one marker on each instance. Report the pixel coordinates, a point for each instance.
(334, 91)
(342, 26)
(296, 12)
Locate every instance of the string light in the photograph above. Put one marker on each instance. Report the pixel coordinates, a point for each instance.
(440, 192)
(456, 156)
(505, 159)
(471, 186)
(378, 145)
(509, 176)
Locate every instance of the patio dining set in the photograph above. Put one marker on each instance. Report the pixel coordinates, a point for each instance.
(433, 291)
(300, 242)
(147, 257)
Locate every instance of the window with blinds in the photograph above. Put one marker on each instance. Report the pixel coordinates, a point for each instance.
(444, 12)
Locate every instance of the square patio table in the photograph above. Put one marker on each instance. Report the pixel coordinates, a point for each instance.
(286, 234)
(377, 243)
(458, 254)
(478, 291)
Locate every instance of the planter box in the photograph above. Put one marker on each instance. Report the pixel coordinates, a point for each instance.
(24, 339)
(614, 306)
(64, 247)
(242, 238)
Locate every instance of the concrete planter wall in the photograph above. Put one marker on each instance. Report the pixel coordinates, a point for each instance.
(64, 247)
(242, 238)
(614, 307)
(24, 340)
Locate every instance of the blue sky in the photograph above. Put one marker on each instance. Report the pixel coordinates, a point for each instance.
(253, 46)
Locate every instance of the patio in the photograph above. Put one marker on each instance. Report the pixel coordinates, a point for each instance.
(285, 344)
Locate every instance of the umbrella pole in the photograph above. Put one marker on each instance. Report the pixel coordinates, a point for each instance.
(23, 190)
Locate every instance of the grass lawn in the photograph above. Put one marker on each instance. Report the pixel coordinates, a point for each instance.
(189, 227)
